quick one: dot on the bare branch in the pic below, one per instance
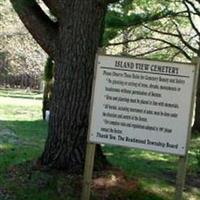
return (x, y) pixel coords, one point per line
(190, 18)
(160, 40)
(180, 36)
(39, 25)
(151, 51)
(175, 55)
(124, 42)
(193, 6)
(170, 44)
(160, 32)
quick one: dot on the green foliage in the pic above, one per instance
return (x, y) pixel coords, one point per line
(197, 155)
(143, 22)
(114, 20)
(117, 20)
(48, 70)
(129, 14)
(109, 34)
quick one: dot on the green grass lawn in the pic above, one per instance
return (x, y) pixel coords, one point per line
(21, 118)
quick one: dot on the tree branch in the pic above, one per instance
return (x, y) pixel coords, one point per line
(180, 36)
(125, 42)
(190, 18)
(43, 30)
(193, 6)
(160, 32)
(157, 39)
(53, 6)
(151, 51)
(115, 19)
(172, 45)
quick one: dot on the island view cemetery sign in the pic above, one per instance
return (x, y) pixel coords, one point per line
(142, 103)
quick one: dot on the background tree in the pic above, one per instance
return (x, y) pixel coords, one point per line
(48, 78)
(130, 14)
(21, 58)
(139, 41)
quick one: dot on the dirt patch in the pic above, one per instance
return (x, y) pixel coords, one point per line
(110, 184)
(113, 182)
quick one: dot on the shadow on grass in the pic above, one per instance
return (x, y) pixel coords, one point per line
(134, 160)
(21, 141)
(26, 128)
(149, 165)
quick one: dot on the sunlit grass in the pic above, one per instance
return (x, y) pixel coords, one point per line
(20, 109)
(4, 147)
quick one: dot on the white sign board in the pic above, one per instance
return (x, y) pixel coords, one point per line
(142, 103)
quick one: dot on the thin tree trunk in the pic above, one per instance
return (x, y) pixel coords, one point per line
(46, 99)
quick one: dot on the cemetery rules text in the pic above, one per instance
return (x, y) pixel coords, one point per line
(142, 103)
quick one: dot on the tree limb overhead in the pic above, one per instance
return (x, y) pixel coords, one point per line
(38, 23)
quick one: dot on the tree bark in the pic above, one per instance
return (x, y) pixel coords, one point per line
(196, 125)
(79, 35)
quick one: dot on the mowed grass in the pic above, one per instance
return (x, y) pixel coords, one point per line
(21, 114)
(22, 117)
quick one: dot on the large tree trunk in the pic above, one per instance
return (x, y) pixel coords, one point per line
(79, 34)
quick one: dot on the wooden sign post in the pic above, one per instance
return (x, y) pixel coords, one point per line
(182, 163)
(143, 104)
(88, 169)
(90, 148)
